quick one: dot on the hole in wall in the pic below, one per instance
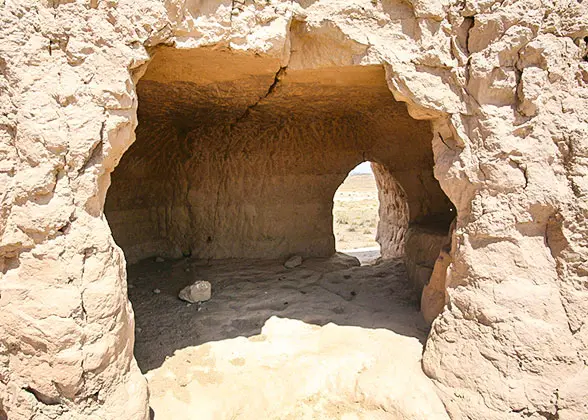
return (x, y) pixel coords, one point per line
(355, 215)
(233, 172)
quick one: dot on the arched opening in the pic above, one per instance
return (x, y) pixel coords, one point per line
(355, 215)
(233, 173)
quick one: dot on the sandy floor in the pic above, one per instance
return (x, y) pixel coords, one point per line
(245, 295)
(355, 213)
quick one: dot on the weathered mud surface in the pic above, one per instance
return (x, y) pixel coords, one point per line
(198, 368)
(237, 157)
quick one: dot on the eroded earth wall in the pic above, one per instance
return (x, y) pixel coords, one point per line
(238, 157)
(504, 84)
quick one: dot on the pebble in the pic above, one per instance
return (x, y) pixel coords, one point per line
(156, 291)
(294, 261)
(200, 291)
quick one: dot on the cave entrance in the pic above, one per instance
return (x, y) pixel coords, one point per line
(233, 172)
(355, 215)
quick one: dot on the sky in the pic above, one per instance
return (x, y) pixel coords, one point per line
(362, 168)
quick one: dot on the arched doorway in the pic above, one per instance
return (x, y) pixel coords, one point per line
(355, 215)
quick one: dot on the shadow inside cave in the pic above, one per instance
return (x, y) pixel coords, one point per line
(246, 293)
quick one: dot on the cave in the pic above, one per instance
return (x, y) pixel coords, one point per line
(250, 113)
(234, 169)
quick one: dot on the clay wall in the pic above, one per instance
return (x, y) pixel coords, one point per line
(235, 160)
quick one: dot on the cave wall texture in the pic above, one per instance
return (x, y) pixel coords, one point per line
(503, 87)
(235, 159)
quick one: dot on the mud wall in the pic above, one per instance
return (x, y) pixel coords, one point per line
(234, 159)
(504, 84)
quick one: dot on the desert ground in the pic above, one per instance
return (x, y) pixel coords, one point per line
(355, 217)
(305, 343)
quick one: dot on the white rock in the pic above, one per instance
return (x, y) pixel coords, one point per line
(156, 291)
(294, 261)
(159, 260)
(200, 291)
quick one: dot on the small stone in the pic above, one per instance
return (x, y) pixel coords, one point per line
(187, 270)
(131, 286)
(159, 260)
(139, 330)
(200, 291)
(156, 291)
(294, 261)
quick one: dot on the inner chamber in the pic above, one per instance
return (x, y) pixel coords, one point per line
(236, 157)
